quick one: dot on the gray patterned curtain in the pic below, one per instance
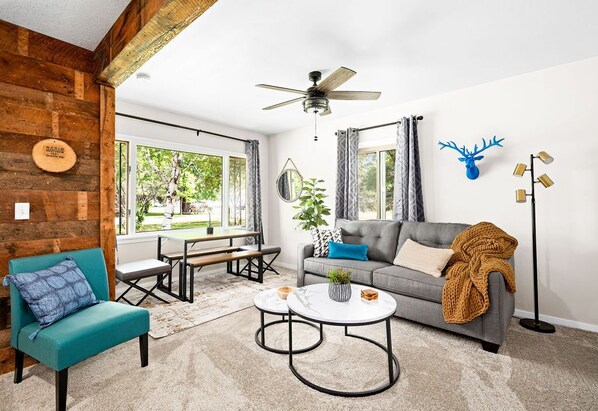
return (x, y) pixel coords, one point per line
(254, 189)
(408, 198)
(347, 201)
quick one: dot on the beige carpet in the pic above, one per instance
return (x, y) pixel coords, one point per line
(218, 366)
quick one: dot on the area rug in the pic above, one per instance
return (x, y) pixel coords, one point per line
(216, 295)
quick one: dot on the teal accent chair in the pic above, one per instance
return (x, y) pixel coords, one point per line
(80, 335)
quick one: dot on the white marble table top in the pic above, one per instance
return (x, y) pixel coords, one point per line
(269, 300)
(313, 302)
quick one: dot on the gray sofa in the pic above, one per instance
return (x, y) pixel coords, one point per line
(418, 295)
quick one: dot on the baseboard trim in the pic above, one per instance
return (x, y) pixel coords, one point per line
(286, 265)
(558, 321)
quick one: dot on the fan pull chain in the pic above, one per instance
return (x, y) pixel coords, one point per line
(316, 125)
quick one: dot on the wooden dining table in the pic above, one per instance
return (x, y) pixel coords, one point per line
(192, 237)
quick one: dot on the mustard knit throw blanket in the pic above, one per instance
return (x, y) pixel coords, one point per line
(479, 250)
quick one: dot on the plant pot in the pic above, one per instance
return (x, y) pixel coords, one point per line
(210, 230)
(339, 292)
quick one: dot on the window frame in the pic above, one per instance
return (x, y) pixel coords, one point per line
(132, 143)
(378, 149)
(126, 188)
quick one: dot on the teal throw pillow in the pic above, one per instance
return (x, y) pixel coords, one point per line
(348, 251)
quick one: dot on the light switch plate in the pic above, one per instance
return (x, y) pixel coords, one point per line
(21, 211)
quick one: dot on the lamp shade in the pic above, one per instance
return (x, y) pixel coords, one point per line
(520, 196)
(545, 157)
(545, 180)
(520, 170)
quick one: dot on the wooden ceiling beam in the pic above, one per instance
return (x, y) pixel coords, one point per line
(143, 28)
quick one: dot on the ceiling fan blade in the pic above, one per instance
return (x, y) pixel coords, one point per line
(335, 80)
(353, 95)
(326, 112)
(288, 90)
(284, 103)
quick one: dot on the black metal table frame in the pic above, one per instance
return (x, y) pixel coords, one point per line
(394, 369)
(182, 295)
(261, 332)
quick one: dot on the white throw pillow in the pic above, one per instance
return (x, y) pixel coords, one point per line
(320, 238)
(428, 260)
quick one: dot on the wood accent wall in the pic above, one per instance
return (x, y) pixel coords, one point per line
(47, 90)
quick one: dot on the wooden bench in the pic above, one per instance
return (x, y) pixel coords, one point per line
(203, 261)
(177, 256)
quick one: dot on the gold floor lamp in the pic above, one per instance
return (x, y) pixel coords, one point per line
(521, 197)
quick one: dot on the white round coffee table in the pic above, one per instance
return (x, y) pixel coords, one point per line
(312, 303)
(268, 302)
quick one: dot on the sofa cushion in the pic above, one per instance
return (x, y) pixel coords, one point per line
(84, 334)
(428, 260)
(401, 280)
(361, 271)
(379, 235)
(437, 235)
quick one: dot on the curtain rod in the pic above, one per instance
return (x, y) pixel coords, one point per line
(149, 120)
(386, 124)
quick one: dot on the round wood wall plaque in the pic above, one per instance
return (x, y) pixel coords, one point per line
(54, 156)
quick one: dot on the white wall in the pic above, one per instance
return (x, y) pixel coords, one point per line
(140, 246)
(554, 110)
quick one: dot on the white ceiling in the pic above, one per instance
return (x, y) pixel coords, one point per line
(408, 49)
(80, 22)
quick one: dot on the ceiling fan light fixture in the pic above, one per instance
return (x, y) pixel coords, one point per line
(315, 104)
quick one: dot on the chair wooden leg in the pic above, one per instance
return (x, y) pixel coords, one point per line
(19, 360)
(62, 377)
(143, 349)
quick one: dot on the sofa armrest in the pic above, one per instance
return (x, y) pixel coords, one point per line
(304, 251)
(495, 322)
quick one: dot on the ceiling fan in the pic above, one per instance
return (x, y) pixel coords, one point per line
(315, 98)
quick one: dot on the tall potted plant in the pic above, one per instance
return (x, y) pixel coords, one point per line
(311, 206)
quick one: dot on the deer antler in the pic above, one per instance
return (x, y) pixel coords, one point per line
(492, 142)
(453, 145)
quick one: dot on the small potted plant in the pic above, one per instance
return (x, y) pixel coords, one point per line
(339, 288)
(205, 208)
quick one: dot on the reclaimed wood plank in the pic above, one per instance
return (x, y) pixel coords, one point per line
(16, 118)
(26, 230)
(36, 74)
(48, 205)
(24, 163)
(36, 45)
(142, 29)
(107, 206)
(17, 249)
(23, 144)
(24, 181)
(13, 94)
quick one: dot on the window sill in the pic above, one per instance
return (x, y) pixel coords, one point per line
(153, 236)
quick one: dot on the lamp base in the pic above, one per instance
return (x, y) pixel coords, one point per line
(540, 326)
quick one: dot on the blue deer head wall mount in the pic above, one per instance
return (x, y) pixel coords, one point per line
(470, 157)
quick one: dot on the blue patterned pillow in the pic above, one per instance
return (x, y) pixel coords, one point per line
(55, 292)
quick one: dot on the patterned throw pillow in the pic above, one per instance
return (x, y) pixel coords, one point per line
(320, 238)
(54, 293)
